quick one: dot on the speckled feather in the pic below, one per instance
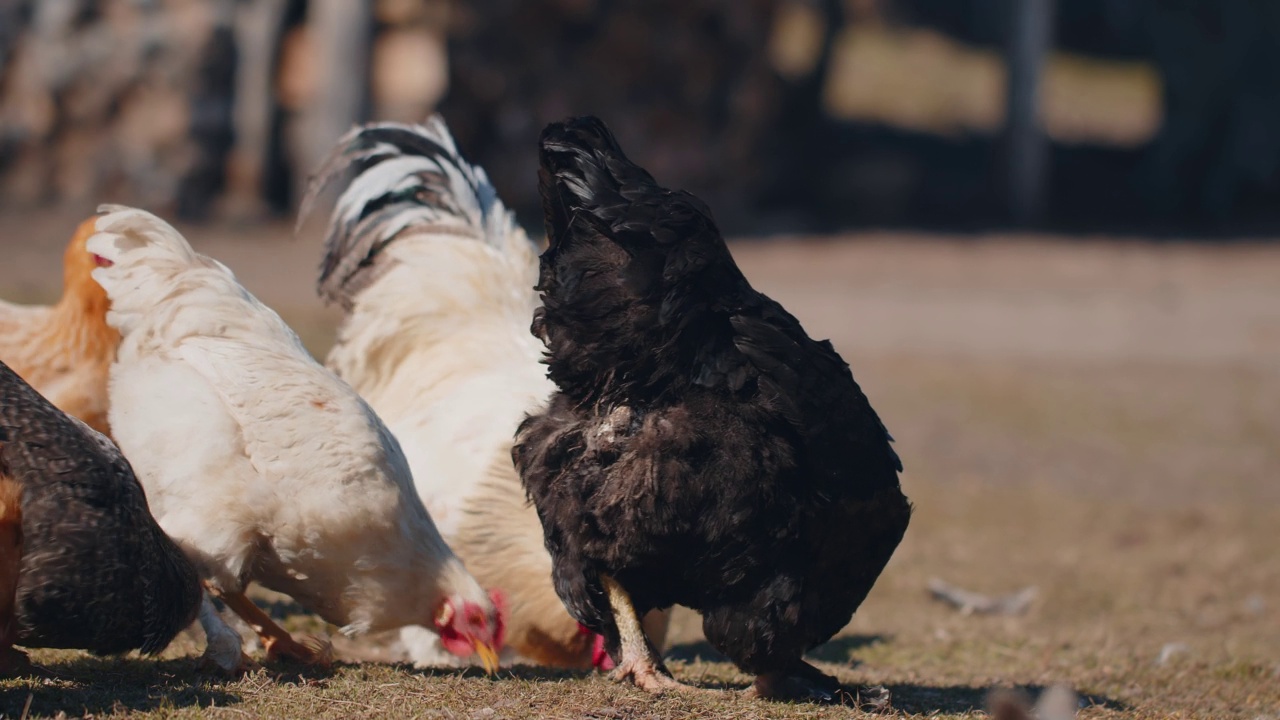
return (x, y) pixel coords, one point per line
(405, 176)
(98, 573)
(702, 449)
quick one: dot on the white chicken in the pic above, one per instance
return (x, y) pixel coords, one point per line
(262, 464)
(437, 281)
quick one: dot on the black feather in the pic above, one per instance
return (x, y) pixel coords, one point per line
(97, 573)
(702, 449)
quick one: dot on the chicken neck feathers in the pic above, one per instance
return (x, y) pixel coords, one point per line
(65, 350)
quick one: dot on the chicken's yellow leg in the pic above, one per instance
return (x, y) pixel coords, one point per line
(278, 642)
(639, 662)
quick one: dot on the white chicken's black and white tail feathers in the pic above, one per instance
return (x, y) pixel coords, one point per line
(402, 177)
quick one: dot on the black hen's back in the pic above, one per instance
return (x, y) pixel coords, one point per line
(702, 448)
(98, 573)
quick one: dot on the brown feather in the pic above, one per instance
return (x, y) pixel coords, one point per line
(65, 351)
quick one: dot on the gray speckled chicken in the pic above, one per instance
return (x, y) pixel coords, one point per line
(96, 571)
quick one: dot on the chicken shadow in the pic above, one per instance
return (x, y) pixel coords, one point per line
(95, 686)
(909, 698)
(837, 651)
(535, 673)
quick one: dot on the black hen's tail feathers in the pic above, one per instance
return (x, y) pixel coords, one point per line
(584, 174)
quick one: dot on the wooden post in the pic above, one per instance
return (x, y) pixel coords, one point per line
(1026, 147)
(342, 33)
(257, 27)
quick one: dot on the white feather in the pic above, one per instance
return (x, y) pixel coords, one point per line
(439, 343)
(262, 464)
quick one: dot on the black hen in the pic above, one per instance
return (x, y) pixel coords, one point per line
(97, 572)
(702, 450)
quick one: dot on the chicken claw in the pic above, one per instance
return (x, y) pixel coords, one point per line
(310, 651)
(640, 663)
(804, 683)
(222, 653)
(279, 644)
(14, 663)
(788, 688)
(210, 665)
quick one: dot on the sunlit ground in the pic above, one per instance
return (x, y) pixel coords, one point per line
(1099, 421)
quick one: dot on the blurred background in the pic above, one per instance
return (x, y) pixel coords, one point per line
(1134, 116)
(1017, 219)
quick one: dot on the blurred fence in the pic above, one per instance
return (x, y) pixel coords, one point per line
(223, 106)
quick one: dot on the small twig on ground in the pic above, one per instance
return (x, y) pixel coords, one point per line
(969, 602)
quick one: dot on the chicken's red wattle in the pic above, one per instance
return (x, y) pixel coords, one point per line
(599, 656)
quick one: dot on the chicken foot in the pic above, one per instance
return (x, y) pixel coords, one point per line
(223, 653)
(639, 662)
(277, 641)
(802, 682)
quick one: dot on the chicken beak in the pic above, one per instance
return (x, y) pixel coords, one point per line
(488, 657)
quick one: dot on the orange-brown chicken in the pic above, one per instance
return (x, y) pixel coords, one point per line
(65, 350)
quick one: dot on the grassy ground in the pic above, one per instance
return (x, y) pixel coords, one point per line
(1101, 422)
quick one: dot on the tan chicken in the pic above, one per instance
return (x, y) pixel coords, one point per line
(65, 350)
(437, 282)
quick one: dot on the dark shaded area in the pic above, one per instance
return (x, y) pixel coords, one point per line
(94, 686)
(700, 650)
(278, 183)
(875, 175)
(689, 88)
(837, 650)
(14, 15)
(211, 131)
(685, 81)
(1215, 164)
(686, 86)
